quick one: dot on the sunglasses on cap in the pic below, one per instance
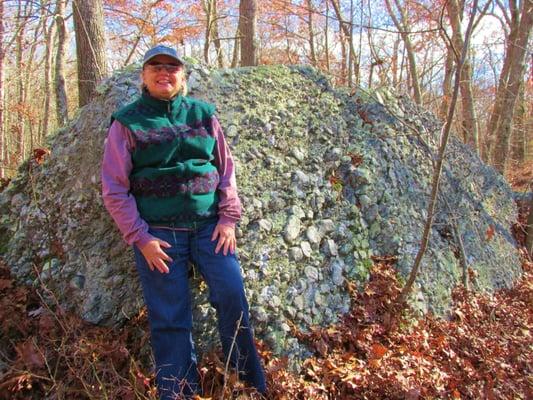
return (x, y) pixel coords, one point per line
(158, 67)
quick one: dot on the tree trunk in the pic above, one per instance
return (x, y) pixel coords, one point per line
(312, 51)
(29, 78)
(207, 5)
(237, 46)
(394, 63)
(2, 139)
(502, 81)
(344, 29)
(19, 49)
(49, 34)
(438, 165)
(326, 44)
(60, 85)
(469, 121)
(446, 83)
(529, 230)
(519, 132)
(509, 93)
(30, 58)
(248, 12)
(90, 47)
(403, 28)
(216, 37)
(351, 48)
(344, 57)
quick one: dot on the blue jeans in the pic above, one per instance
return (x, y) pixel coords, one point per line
(168, 301)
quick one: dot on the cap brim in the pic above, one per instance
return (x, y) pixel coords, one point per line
(163, 54)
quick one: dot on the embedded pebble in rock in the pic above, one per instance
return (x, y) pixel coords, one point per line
(297, 154)
(302, 235)
(306, 249)
(326, 226)
(292, 230)
(312, 235)
(261, 314)
(330, 248)
(311, 273)
(336, 273)
(365, 201)
(265, 224)
(296, 254)
(299, 302)
(274, 301)
(297, 211)
(231, 131)
(319, 299)
(194, 80)
(301, 178)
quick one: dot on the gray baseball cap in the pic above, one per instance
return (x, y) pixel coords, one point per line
(161, 50)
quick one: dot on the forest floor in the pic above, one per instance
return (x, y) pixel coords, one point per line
(379, 350)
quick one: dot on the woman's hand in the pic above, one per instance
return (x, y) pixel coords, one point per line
(226, 239)
(155, 256)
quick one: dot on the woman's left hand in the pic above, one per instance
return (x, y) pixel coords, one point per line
(226, 239)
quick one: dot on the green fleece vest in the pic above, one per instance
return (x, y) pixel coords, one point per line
(173, 179)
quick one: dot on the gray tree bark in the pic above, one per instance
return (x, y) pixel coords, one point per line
(237, 45)
(446, 84)
(60, 85)
(326, 44)
(90, 47)
(469, 121)
(211, 32)
(19, 50)
(207, 5)
(346, 32)
(248, 13)
(403, 28)
(503, 115)
(310, 27)
(49, 36)
(216, 37)
(513, 23)
(2, 138)
(529, 231)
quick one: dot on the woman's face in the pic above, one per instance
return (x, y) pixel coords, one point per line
(163, 83)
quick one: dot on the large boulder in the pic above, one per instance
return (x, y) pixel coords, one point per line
(327, 180)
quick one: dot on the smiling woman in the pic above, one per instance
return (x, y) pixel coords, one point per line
(168, 181)
(163, 77)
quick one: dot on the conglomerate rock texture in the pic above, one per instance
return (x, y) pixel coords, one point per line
(327, 180)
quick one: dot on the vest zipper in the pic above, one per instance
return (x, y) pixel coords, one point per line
(169, 112)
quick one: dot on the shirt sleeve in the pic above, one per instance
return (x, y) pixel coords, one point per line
(119, 202)
(229, 206)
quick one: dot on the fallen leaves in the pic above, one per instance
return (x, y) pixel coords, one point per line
(30, 354)
(473, 356)
(377, 351)
(40, 155)
(489, 234)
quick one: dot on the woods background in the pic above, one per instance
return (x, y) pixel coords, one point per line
(54, 53)
(470, 59)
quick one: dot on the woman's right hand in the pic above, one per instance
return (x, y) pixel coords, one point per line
(155, 256)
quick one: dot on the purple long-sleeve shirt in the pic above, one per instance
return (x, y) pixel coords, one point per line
(116, 168)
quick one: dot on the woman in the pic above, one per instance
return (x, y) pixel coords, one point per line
(168, 181)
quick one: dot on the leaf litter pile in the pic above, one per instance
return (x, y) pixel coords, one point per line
(379, 350)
